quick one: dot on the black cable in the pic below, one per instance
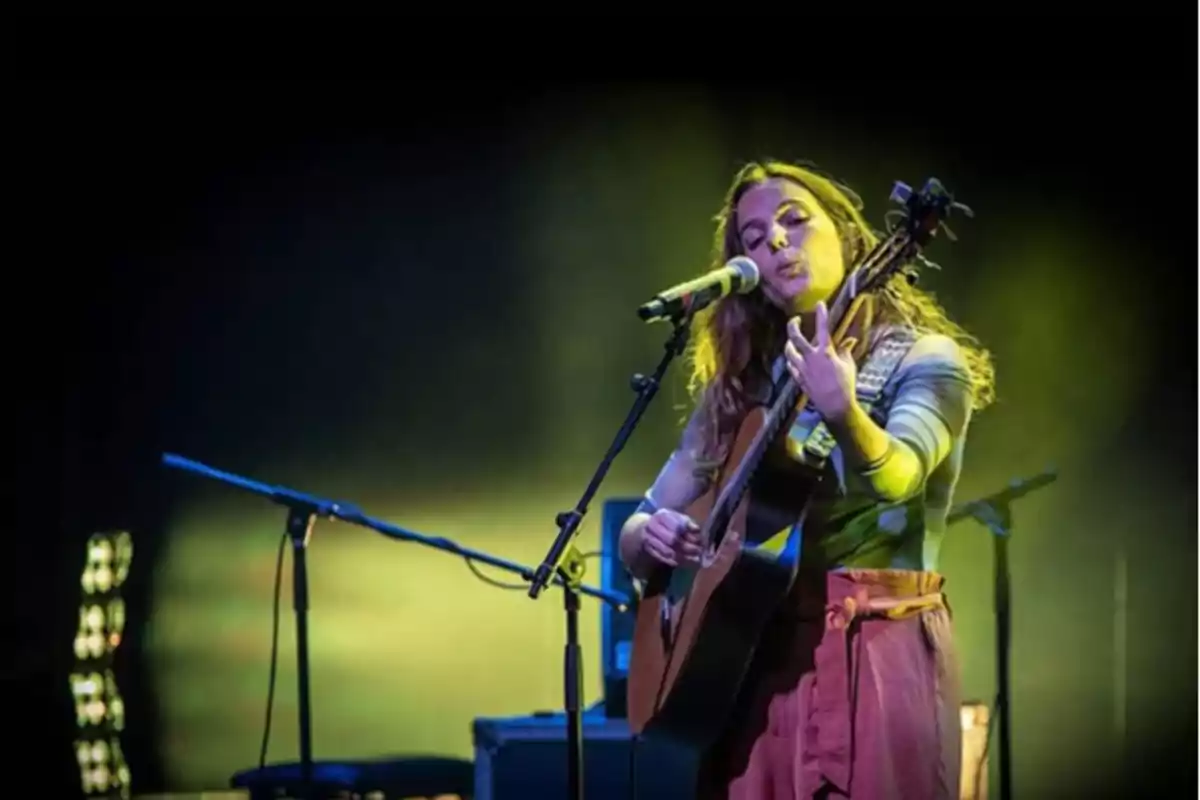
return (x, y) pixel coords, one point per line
(262, 753)
(501, 584)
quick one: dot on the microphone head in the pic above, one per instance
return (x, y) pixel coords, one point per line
(747, 270)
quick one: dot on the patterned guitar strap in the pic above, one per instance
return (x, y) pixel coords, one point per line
(813, 446)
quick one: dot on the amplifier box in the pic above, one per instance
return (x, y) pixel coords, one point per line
(526, 757)
(616, 627)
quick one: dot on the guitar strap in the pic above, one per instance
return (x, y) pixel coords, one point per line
(812, 447)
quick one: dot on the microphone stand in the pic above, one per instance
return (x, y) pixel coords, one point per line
(995, 513)
(302, 513)
(564, 559)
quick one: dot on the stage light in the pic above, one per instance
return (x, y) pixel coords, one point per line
(99, 709)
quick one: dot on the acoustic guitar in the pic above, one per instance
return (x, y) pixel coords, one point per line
(690, 655)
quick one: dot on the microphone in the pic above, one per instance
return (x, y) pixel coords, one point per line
(738, 275)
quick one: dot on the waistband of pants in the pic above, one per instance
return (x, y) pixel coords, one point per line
(845, 595)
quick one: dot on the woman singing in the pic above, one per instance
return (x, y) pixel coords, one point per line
(854, 690)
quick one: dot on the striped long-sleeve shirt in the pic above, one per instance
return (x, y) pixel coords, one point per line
(895, 516)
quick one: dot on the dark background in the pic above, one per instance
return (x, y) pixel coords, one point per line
(153, 307)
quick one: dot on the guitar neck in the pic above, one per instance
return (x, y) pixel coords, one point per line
(787, 397)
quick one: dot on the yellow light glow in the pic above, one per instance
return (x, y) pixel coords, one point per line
(101, 551)
(104, 579)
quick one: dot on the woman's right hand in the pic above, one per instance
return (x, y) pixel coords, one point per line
(672, 538)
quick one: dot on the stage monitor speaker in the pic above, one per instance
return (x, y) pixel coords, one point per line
(525, 757)
(616, 627)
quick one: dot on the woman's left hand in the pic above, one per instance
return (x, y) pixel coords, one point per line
(826, 375)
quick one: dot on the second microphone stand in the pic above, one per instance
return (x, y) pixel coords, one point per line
(565, 560)
(995, 513)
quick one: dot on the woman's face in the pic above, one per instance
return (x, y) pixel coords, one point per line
(795, 243)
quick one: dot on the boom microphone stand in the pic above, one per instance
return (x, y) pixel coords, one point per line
(565, 561)
(302, 513)
(995, 512)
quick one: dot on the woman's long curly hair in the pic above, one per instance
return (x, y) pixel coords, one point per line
(738, 338)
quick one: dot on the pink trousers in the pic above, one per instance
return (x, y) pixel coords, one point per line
(854, 694)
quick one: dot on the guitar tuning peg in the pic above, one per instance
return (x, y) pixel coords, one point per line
(901, 192)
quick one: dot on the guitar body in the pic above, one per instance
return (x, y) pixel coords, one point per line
(690, 655)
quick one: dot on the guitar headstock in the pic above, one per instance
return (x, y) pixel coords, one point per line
(910, 229)
(925, 212)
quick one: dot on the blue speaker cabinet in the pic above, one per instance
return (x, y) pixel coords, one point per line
(616, 627)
